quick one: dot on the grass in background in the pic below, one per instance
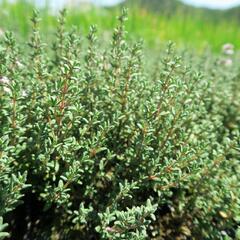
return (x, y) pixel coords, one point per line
(188, 30)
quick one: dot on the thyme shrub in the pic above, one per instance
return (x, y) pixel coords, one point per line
(95, 145)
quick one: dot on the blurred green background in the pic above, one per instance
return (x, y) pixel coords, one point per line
(156, 21)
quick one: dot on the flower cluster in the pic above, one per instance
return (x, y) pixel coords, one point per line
(228, 51)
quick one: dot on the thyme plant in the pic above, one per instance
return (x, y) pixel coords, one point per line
(97, 144)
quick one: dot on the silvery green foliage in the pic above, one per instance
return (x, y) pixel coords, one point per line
(112, 149)
(2, 228)
(127, 224)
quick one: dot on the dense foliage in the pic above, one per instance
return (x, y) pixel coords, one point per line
(103, 143)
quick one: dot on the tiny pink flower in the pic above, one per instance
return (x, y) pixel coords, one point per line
(228, 49)
(109, 229)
